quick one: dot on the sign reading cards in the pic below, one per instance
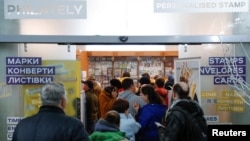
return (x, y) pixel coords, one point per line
(226, 70)
(28, 70)
(201, 6)
(45, 9)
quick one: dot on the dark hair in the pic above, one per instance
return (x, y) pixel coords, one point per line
(115, 82)
(127, 83)
(169, 83)
(109, 89)
(89, 83)
(146, 75)
(113, 117)
(126, 74)
(153, 97)
(120, 105)
(182, 90)
(144, 80)
(156, 77)
(160, 82)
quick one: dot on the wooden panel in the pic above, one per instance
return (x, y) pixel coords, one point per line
(134, 53)
(171, 53)
(100, 53)
(83, 57)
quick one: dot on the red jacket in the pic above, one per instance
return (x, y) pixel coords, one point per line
(163, 93)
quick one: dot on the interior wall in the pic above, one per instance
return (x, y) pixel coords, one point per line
(123, 17)
(48, 51)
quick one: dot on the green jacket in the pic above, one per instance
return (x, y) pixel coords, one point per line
(107, 136)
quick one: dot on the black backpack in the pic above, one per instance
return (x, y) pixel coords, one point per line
(195, 123)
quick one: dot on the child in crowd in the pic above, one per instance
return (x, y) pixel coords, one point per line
(128, 123)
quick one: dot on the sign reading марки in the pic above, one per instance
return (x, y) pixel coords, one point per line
(27, 70)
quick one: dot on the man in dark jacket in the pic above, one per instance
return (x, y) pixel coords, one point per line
(51, 123)
(184, 116)
(92, 105)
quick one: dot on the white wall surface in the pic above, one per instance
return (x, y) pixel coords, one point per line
(130, 17)
(48, 51)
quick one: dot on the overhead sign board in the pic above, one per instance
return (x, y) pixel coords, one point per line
(45, 9)
(200, 6)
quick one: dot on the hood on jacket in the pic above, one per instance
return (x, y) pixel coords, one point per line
(104, 126)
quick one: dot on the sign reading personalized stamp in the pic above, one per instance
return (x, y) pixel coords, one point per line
(201, 6)
(45, 9)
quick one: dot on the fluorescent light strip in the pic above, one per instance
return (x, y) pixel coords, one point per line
(126, 48)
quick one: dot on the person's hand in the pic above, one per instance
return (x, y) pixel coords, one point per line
(136, 106)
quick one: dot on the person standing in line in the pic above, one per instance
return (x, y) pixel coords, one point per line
(96, 85)
(51, 123)
(150, 113)
(170, 81)
(106, 99)
(176, 124)
(128, 123)
(146, 74)
(107, 128)
(124, 76)
(130, 96)
(92, 105)
(143, 80)
(156, 76)
(169, 86)
(117, 83)
(159, 88)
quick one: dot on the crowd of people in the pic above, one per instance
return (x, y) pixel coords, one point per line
(122, 111)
